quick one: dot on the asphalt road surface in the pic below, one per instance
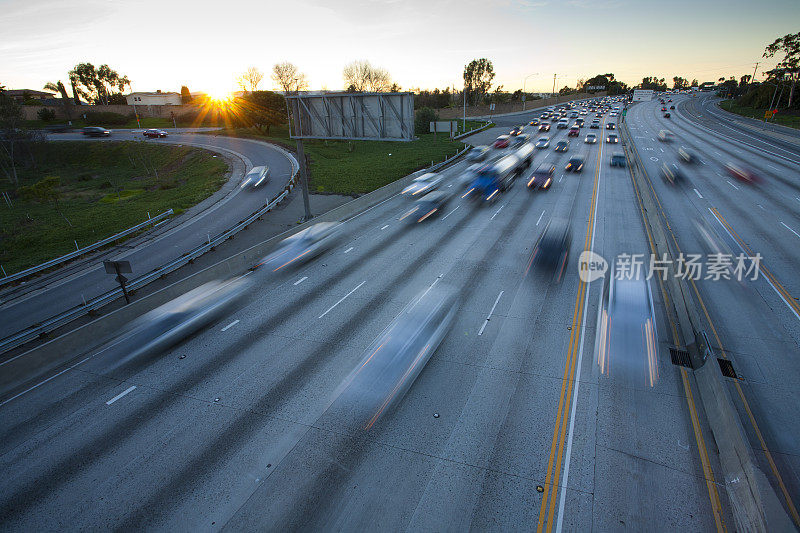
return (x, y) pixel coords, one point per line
(510, 425)
(42, 298)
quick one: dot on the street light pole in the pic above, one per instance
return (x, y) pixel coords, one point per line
(523, 88)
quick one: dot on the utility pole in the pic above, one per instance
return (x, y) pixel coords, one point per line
(554, 87)
(523, 88)
(301, 156)
(464, 120)
(753, 79)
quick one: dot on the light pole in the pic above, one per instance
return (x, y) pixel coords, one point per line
(523, 87)
(554, 84)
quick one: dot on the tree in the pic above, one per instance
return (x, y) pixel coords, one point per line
(186, 96)
(423, 118)
(789, 45)
(10, 124)
(478, 76)
(654, 83)
(97, 84)
(59, 88)
(46, 114)
(263, 109)
(288, 77)
(695, 83)
(250, 79)
(679, 83)
(612, 86)
(362, 76)
(45, 192)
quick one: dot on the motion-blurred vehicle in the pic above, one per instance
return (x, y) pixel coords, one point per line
(610, 126)
(626, 346)
(618, 160)
(685, 155)
(663, 108)
(575, 164)
(302, 246)
(562, 124)
(175, 320)
(427, 207)
(154, 133)
(501, 141)
(478, 153)
(542, 177)
(579, 122)
(515, 130)
(95, 131)
(741, 173)
(590, 138)
(672, 174)
(519, 140)
(612, 139)
(542, 142)
(551, 253)
(544, 115)
(544, 126)
(562, 146)
(255, 177)
(395, 358)
(666, 115)
(524, 156)
(423, 184)
(494, 178)
(665, 136)
(595, 125)
(574, 131)
(672, 106)
(534, 122)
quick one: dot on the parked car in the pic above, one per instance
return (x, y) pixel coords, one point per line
(154, 133)
(96, 131)
(256, 176)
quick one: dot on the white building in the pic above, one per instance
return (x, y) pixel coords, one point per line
(156, 98)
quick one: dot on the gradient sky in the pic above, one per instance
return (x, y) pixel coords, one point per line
(422, 43)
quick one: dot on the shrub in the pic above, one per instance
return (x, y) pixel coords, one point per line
(105, 118)
(423, 118)
(46, 115)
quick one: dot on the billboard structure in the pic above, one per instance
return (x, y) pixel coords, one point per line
(348, 117)
(642, 95)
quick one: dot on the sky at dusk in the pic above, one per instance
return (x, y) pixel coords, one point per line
(422, 43)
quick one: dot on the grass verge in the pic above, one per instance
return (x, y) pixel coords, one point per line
(784, 118)
(88, 191)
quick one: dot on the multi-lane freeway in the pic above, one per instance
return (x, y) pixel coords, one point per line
(511, 424)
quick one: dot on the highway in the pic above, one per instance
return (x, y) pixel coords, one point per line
(511, 425)
(41, 298)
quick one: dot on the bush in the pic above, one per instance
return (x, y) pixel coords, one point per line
(105, 118)
(423, 118)
(46, 115)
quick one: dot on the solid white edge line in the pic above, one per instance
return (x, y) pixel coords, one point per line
(698, 193)
(568, 453)
(121, 394)
(301, 280)
(496, 212)
(451, 212)
(732, 185)
(229, 326)
(790, 229)
(485, 322)
(48, 379)
(540, 217)
(342, 299)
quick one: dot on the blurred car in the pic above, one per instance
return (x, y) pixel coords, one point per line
(551, 253)
(590, 138)
(478, 153)
(519, 140)
(542, 176)
(575, 164)
(685, 155)
(666, 115)
(542, 142)
(672, 174)
(579, 122)
(428, 206)
(154, 133)
(95, 131)
(574, 131)
(612, 139)
(496, 177)
(534, 122)
(395, 358)
(562, 146)
(423, 184)
(626, 346)
(256, 176)
(595, 125)
(501, 141)
(665, 136)
(742, 174)
(672, 106)
(177, 319)
(663, 108)
(618, 160)
(610, 126)
(302, 246)
(544, 126)
(562, 124)
(515, 131)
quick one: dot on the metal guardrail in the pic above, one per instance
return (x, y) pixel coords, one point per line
(72, 255)
(473, 130)
(52, 323)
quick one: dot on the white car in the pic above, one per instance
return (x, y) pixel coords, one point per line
(256, 176)
(590, 139)
(423, 184)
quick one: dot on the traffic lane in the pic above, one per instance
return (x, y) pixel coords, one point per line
(767, 229)
(195, 380)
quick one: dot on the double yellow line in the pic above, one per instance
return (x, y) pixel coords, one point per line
(550, 494)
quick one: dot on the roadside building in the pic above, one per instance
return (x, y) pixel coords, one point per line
(153, 98)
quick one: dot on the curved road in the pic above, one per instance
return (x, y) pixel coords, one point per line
(511, 425)
(42, 298)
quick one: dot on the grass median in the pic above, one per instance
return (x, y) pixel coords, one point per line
(79, 192)
(354, 168)
(783, 117)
